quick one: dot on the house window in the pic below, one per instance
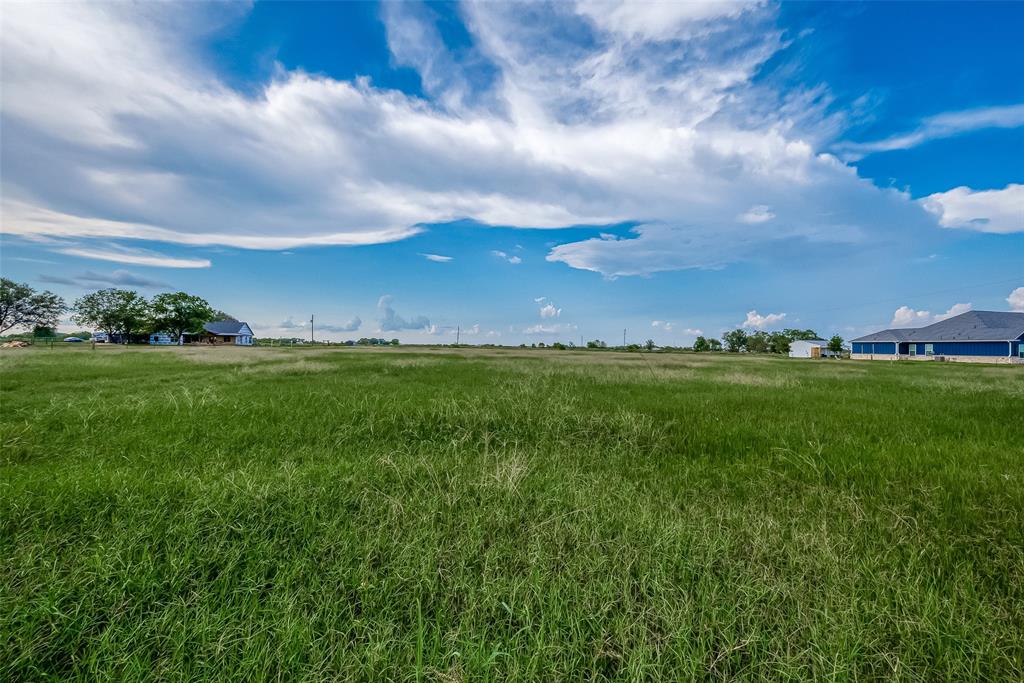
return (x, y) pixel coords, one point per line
(913, 349)
(929, 349)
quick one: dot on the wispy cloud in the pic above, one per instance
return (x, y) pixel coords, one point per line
(117, 278)
(937, 127)
(136, 257)
(437, 258)
(526, 127)
(514, 260)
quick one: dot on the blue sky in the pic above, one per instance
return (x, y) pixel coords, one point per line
(525, 172)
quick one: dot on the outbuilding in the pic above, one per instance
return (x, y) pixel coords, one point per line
(811, 348)
(971, 337)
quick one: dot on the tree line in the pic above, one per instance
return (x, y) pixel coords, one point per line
(739, 340)
(117, 312)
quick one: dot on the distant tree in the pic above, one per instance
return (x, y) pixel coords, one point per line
(757, 342)
(177, 313)
(43, 331)
(394, 342)
(596, 344)
(796, 334)
(715, 344)
(22, 306)
(649, 344)
(558, 346)
(701, 344)
(778, 342)
(115, 311)
(541, 345)
(835, 344)
(221, 316)
(735, 341)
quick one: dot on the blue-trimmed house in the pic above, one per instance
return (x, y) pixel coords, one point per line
(972, 337)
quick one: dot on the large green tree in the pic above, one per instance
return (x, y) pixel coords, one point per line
(795, 334)
(115, 311)
(758, 342)
(22, 306)
(735, 341)
(177, 313)
(778, 342)
(700, 344)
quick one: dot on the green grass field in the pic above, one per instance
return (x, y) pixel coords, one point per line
(468, 515)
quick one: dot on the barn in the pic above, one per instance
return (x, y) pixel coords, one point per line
(972, 337)
(227, 332)
(810, 348)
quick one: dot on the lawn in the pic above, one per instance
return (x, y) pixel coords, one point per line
(347, 514)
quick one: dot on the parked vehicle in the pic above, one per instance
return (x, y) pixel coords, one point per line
(100, 337)
(74, 339)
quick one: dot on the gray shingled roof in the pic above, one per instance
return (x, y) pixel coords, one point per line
(969, 326)
(224, 327)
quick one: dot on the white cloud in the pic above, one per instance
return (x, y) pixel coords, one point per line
(756, 214)
(549, 311)
(514, 260)
(999, 211)
(136, 257)
(1016, 299)
(657, 116)
(348, 326)
(943, 125)
(757, 321)
(908, 317)
(662, 325)
(390, 321)
(437, 258)
(548, 329)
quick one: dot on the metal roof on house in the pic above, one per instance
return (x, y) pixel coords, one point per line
(969, 326)
(812, 342)
(225, 328)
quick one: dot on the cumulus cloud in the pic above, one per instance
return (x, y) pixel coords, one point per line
(906, 316)
(662, 325)
(390, 321)
(514, 260)
(756, 321)
(548, 310)
(1000, 211)
(348, 326)
(578, 114)
(1016, 299)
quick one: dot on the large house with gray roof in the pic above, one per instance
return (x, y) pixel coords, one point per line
(972, 337)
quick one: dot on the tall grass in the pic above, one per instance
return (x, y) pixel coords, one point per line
(381, 515)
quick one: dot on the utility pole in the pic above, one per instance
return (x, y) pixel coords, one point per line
(311, 329)
(458, 334)
(623, 337)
